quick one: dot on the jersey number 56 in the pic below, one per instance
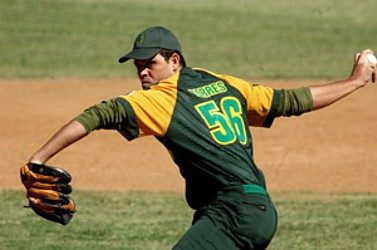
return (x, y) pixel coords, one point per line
(225, 123)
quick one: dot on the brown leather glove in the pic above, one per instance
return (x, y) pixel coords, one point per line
(48, 192)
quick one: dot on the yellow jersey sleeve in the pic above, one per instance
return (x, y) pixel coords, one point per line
(151, 110)
(262, 102)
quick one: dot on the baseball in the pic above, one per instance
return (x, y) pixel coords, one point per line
(371, 58)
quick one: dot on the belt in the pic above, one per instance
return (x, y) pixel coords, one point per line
(246, 189)
(253, 188)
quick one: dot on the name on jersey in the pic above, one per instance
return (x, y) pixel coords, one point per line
(209, 90)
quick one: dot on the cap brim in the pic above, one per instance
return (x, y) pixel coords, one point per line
(140, 54)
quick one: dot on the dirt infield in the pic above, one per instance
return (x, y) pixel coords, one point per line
(331, 150)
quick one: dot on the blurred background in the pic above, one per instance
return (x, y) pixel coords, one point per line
(257, 39)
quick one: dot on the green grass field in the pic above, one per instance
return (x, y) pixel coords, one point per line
(141, 220)
(249, 38)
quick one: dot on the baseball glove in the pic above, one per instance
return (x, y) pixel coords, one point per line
(48, 192)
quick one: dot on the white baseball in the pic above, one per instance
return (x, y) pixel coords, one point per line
(371, 58)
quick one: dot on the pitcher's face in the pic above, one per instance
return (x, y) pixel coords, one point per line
(151, 71)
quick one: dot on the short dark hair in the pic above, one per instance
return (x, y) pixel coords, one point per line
(167, 53)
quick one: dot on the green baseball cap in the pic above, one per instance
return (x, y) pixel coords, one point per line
(150, 42)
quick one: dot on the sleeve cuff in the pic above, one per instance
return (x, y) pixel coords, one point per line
(274, 109)
(85, 122)
(132, 130)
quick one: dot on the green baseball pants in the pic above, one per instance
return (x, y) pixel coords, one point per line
(242, 217)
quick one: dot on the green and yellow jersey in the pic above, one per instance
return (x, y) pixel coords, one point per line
(202, 118)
